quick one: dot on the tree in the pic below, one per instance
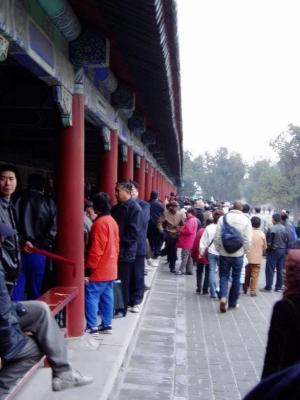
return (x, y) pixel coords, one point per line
(287, 146)
(189, 177)
(221, 175)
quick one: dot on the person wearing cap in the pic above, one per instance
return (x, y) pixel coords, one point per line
(169, 224)
(20, 351)
(154, 235)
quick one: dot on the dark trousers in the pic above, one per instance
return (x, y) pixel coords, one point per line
(136, 290)
(275, 259)
(125, 275)
(200, 268)
(171, 249)
(155, 239)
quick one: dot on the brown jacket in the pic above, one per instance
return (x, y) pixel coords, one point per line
(258, 246)
(171, 222)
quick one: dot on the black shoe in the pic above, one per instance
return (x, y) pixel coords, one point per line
(204, 291)
(188, 273)
(265, 290)
(146, 288)
(172, 269)
(105, 329)
(198, 290)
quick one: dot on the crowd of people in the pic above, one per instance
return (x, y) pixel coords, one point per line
(225, 242)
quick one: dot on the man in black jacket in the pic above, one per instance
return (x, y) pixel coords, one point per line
(154, 235)
(19, 351)
(10, 247)
(36, 222)
(128, 215)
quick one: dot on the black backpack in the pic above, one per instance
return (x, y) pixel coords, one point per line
(231, 237)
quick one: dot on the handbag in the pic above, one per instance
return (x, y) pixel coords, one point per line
(205, 254)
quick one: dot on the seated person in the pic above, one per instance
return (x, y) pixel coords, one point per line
(20, 351)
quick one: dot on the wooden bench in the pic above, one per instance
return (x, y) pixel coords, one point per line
(57, 299)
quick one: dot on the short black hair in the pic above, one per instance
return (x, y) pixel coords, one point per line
(9, 167)
(125, 184)
(284, 216)
(255, 221)
(276, 217)
(246, 208)
(191, 210)
(257, 209)
(135, 184)
(101, 202)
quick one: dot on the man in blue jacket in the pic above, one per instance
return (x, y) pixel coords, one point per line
(128, 215)
(19, 351)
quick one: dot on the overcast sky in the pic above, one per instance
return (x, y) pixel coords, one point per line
(240, 73)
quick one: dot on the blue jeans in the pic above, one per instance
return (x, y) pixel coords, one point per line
(31, 275)
(275, 259)
(213, 261)
(99, 297)
(226, 265)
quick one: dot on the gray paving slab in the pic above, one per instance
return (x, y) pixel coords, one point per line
(185, 342)
(103, 359)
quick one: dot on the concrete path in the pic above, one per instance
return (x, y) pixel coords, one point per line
(187, 350)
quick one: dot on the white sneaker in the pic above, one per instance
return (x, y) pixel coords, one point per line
(136, 308)
(154, 262)
(70, 380)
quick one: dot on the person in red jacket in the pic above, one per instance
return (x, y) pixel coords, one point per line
(101, 267)
(187, 235)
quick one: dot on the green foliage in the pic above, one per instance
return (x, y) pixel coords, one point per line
(225, 176)
(219, 176)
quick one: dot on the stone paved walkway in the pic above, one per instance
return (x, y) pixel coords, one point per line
(187, 350)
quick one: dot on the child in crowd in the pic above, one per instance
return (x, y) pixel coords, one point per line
(254, 255)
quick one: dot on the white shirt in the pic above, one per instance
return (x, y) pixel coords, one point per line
(207, 238)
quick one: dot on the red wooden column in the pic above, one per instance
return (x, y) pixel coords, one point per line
(139, 176)
(126, 167)
(148, 181)
(164, 185)
(158, 184)
(109, 167)
(154, 180)
(70, 212)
